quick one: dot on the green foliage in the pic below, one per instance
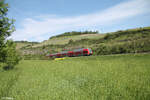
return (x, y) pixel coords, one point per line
(130, 33)
(70, 41)
(26, 42)
(6, 24)
(75, 33)
(8, 53)
(34, 57)
(127, 47)
(11, 57)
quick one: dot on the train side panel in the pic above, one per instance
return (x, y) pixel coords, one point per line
(76, 52)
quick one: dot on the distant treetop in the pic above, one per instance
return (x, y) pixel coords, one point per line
(75, 33)
(25, 42)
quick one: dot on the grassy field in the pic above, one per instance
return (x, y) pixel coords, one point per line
(116, 77)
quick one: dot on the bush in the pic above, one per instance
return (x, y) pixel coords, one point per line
(10, 57)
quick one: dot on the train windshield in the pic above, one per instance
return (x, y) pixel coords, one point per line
(90, 50)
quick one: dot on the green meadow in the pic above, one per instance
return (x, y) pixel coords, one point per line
(113, 77)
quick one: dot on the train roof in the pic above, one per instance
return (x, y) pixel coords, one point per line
(75, 50)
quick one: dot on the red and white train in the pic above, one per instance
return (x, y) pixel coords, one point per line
(73, 53)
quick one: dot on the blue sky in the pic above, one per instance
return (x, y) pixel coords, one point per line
(37, 20)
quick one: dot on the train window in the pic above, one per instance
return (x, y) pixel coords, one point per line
(85, 51)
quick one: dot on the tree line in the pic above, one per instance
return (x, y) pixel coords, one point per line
(75, 33)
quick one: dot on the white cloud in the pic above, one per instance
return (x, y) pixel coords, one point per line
(36, 28)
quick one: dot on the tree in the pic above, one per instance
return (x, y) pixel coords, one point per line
(70, 41)
(8, 52)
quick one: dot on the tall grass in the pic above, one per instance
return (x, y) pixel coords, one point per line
(7, 80)
(120, 77)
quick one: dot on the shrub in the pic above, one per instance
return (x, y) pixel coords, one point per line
(10, 57)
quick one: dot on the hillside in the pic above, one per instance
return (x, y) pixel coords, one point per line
(123, 41)
(65, 39)
(23, 44)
